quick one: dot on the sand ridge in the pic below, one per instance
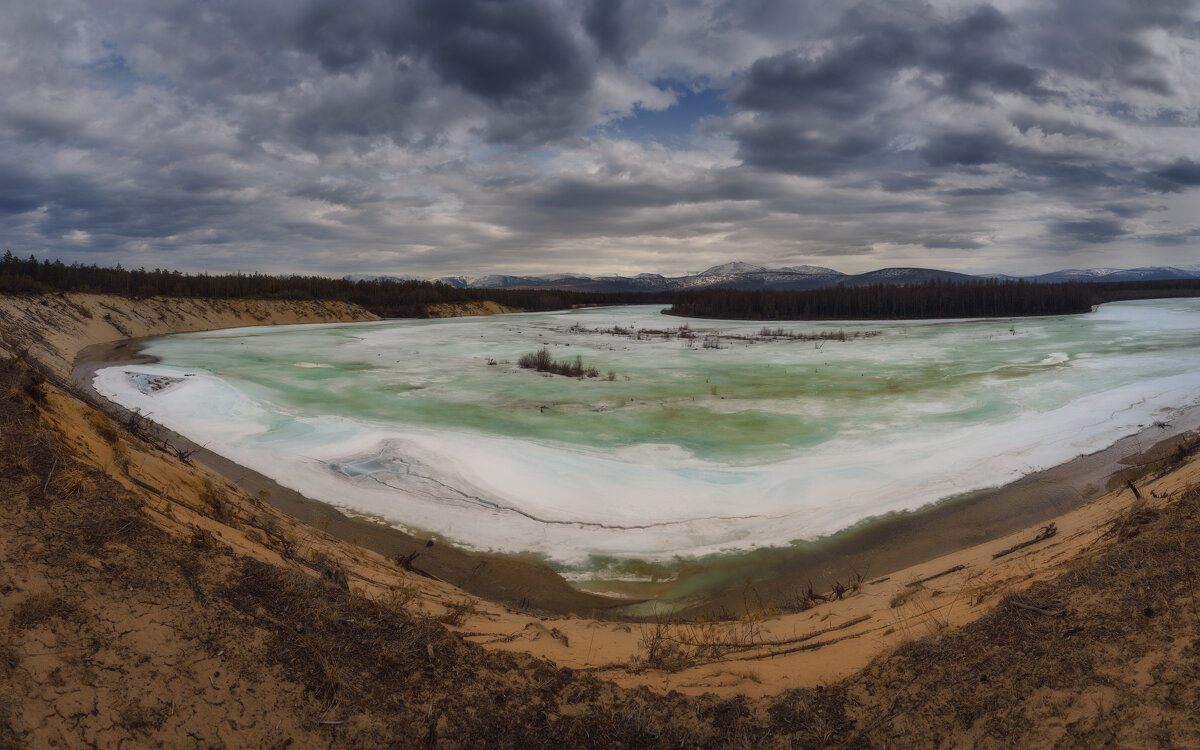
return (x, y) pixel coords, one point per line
(827, 641)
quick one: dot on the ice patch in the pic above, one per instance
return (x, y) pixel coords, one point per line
(898, 422)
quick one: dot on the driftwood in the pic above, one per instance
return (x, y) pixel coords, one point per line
(1043, 535)
(795, 649)
(945, 572)
(809, 636)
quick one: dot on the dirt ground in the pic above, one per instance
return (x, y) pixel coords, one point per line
(147, 602)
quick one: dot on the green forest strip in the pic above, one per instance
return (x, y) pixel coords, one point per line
(388, 299)
(930, 299)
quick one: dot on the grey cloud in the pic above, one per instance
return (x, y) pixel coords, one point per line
(786, 145)
(1183, 172)
(622, 27)
(1174, 239)
(901, 182)
(19, 191)
(1087, 230)
(964, 149)
(1129, 210)
(499, 50)
(847, 80)
(1099, 39)
(461, 133)
(950, 242)
(981, 192)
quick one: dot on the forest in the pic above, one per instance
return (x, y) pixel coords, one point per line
(988, 298)
(388, 299)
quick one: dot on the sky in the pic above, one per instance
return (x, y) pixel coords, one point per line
(467, 137)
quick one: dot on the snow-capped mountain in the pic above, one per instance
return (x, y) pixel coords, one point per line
(1150, 273)
(741, 275)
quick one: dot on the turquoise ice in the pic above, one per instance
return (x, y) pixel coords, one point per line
(686, 450)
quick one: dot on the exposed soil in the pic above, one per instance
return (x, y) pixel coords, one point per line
(145, 601)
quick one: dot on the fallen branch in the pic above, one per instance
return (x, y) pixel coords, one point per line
(945, 572)
(1044, 534)
(53, 466)
(735, 646)
(143, 485)
(795, 649)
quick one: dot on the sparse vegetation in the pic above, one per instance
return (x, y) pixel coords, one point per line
(717, 339)
(542, 361)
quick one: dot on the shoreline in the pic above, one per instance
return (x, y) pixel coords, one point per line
(715, 585)
(502, 579)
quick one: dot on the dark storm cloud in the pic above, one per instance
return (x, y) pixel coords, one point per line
(859, 100)
(1105, 39)
(1183, 172)
(621, 27)
(848, 80)
(517, 56)
(500, 50)
(853, 75)
(19, 190)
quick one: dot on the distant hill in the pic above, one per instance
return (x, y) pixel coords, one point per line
(748, 276)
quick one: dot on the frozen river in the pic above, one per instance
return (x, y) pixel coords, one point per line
(717, 441)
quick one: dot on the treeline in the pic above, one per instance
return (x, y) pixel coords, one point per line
(931, 299)
(389, 299)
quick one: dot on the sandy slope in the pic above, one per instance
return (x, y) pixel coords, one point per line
(759, 654)
(53, 328)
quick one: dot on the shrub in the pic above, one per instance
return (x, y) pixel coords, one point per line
(543, 362)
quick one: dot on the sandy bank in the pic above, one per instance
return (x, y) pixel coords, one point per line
(53, 328)
(822, 641)
(458, 309)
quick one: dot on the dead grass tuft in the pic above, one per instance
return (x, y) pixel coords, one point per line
(38, 609)
(215, 500)
(456, 612)
(672, 645)
(139, 715)
(103, 427)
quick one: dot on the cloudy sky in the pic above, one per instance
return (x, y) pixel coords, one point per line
(529, 136)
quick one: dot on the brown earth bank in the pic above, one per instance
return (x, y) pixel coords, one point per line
(458, 309)
(145, 600)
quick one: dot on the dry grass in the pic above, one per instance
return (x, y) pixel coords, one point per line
(674, 645)
(38, 609)
(103, 427)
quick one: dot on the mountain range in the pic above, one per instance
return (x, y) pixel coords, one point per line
(740, 275)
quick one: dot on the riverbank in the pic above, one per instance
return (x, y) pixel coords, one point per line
(838, 637)
(136, 617)
(504, 580)
(714, 586)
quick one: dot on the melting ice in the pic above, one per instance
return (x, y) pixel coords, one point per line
(707, 443)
